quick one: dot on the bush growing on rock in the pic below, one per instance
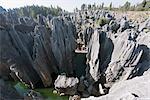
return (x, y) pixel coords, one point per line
(102, 21)
(33, 11)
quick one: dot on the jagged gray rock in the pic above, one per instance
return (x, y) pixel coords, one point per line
(143, 41)
(63, 43)
(34, 54)
(125, 56)
(87, 34)
(145, 25)
(98, 53)
(41, 19)
(75, 97)
(92, 56)
(42, 55)
(66, 85)
(2, 10)
(121, 54)
(136, 88)
(124, 24)
(114, 26)
(16, 53)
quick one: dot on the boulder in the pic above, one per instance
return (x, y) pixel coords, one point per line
(66, 85)
(75, 97)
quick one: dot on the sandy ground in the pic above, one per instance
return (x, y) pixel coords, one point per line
(133, 15)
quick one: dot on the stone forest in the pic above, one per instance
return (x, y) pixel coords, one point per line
(92, 53)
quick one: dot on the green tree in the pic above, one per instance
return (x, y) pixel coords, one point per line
(127, 6)
(132, 8)
(33, 11)
(144, 3)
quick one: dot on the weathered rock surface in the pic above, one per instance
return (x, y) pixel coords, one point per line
(34, 54)
(93, 54)
(145, 25)
(75, 97)
(63, 43)
(136, 88)
(125, 57)
(114, 26)
(124, 24)
(99, 52)
(118, 51)
(15, 57)
(2, 10)
(66, 85)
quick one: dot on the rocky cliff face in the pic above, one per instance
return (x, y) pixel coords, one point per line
(136, 88)
(35, 51)
(117, 52)
(63, 43)
(2, 10)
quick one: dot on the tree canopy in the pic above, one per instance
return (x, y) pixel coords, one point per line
(144, 6)
(33, 11)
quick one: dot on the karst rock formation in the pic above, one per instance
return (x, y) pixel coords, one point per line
(41, 53)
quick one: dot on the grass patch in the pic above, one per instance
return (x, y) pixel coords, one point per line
(47, 93)
(102, 21)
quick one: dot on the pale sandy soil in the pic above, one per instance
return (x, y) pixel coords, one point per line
(133, 15)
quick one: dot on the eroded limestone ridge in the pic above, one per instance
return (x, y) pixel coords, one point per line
(118, 50)
(34, 50)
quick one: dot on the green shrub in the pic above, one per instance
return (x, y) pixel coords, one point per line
(102, 21)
